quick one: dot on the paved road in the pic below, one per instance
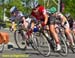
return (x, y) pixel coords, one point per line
(29, 53)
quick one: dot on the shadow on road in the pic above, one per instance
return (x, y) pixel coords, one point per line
(33, 52)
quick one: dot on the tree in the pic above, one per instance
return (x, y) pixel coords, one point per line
(69, 7)
(1, 13)
(68, 4)
(16, 3)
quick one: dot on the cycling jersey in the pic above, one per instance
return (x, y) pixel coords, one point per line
(40, 14)
(61, 16)
(18, 16)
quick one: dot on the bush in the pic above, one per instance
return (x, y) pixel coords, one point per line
(2, 24)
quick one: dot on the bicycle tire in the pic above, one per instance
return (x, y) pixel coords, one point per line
(64, 49)
(41, 37)
(34, 41)
(1, 47)
(73, 49)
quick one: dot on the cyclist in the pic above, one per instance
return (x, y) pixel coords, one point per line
(64, 23)
(74, 27)
(70, 20)
(13, 25)
(40, 13)
(17, 15)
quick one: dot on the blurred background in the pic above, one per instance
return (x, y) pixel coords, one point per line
(64, 6)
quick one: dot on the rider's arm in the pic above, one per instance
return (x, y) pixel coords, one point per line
(63, 19)
(25, 23)
(46, 17)
(24, 20)
(22, 17)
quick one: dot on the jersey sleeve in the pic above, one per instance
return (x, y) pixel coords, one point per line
(42, 9)
(21, 14)
(12, 18)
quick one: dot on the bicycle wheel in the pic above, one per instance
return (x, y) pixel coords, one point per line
(43, 45)
(19, 36)
(34, 42)
(1, 47)
(64, 48)
(71, 47)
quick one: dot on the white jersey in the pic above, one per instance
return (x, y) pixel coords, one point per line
(18, 16)
(61, 16)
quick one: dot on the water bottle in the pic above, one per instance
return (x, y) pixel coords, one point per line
(35, 29)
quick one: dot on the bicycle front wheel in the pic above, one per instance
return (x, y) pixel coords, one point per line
(43, 45)
(64, 48)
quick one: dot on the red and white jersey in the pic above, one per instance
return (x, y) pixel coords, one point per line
(40, 14)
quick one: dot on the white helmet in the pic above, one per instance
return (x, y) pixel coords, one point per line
(35, 4)
(13, 9)
(67, 15)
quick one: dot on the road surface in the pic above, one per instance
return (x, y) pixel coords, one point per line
(29, 53)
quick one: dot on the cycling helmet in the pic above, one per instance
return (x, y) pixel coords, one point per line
(13, 9)
(35, 4)
(67, 15)
(52, 10)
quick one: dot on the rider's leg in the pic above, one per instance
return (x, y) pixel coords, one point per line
(68, 33)
(51, 23)
(55, 35)
(32, 25)
(30, 30)
(25, 23)
(73, 30)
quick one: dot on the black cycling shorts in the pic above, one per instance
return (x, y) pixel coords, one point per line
(51, 20)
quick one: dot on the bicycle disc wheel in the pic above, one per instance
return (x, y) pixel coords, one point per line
(20, 39)
(43, 45)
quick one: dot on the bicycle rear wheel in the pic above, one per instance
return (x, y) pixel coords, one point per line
(43, 45)
(19, 36)
(1, 47)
